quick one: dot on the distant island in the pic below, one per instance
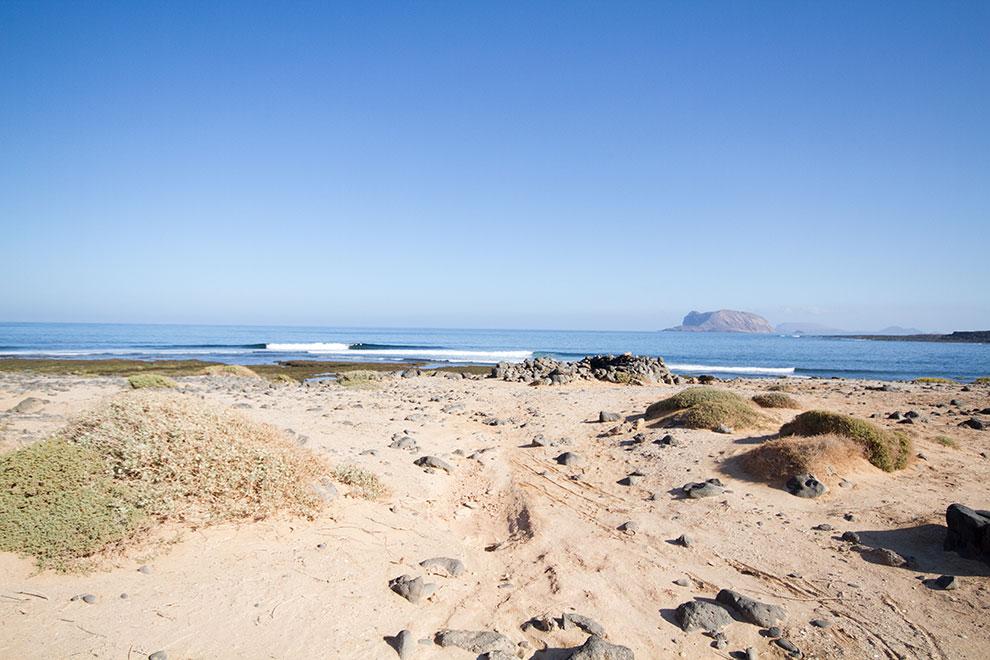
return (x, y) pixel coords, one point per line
(957, 337)
(817, 329)
(724, 320)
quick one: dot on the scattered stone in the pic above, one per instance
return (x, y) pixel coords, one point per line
(821, 623)
(850, 537)
(629, 527)
(627, 368)
(410, 588)
(476, 641)
(884, 557)
(596, 648)
(764, 615)
(444, 566)
(570, 458)
(701, 489)
(29, 405)
(788, 646)
(604, 416)
(824, 527)
(403, 442)
(702, 615)
(973, 423)
(684, 540)
(434, 463)
(147, 570)
(946, 582)
(682, 582)
(587, 624)
(774, 632)
(751, 653)
(634, 479)
(805, 485)
(404, 644)
(158, 655)
(723, 428)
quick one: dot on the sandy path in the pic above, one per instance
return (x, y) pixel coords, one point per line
(536, 537)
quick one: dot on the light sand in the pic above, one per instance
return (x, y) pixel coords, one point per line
(536, 537)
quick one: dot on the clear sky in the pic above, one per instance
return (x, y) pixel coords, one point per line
(552, 164)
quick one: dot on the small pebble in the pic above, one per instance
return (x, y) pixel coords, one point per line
(774, 631)
(158, 655)
(682, 582)
(821, 623)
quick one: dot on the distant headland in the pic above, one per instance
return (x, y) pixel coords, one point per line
(724, 320)
(957, 337)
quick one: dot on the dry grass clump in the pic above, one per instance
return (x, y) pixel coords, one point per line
(230, 370)
(283, 379)
(888, 450)
(775, 400)
(153, 381)
(982, 380)
(706, 408)
(362, 482)
(821, 455)
(143, 459)
(933, 379)
(359, 378)
(946, 441)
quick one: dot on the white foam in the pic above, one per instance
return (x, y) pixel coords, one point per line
(446, 355)
(779, 371)
(308, 348)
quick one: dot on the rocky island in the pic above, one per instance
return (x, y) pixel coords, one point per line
(724, 320)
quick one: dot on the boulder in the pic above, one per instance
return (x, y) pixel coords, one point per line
(476, 641)
(701, 489)
(444, 566)
(968, 532)
(587, 624)
(596, 648)
(805, 485)
(627, 368)
(752, 611)
(702, 615)
(434, 463)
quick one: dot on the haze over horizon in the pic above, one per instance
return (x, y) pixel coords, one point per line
(560, 165)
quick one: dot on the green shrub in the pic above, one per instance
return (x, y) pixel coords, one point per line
(933, 379)
(230, 370)
(144, 458)
(706, 408)
(775, 400)
(888, 450)
(946, 441)
(364, 484)
(154, 381)
(982, 380)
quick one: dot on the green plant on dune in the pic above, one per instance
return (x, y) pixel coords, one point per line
(946, 441)
(229, 370)
(365, 484)
(706, 408)
(153, 381)
(888, 450)
(144, 458)
(775, 400)
(933, 379)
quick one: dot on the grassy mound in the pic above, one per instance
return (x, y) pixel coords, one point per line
(885, 449)
(154, 381)
(359, 378)
(933, 379)
(706, 408)
(143, 459)
(775, 400)
(362, 483)
(821, 455)
(230, 370)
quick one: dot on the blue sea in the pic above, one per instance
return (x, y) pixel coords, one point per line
(724, 355)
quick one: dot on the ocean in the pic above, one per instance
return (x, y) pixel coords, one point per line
(720, 354)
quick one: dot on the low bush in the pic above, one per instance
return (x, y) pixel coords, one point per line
(821, 455)
(706, 408)
(933, 379)
(888, 450)
(363, 483)
(775, 400)
(230, 370)
(153, 381)
(143, 459)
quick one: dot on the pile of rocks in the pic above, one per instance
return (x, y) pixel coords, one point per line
(626, 368)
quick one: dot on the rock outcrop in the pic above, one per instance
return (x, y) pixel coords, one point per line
(724, 320)
(968, 532)
(626, 368)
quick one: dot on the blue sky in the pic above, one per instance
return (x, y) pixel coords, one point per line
(558, 165)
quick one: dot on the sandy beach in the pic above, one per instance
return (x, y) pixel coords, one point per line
(536, 538)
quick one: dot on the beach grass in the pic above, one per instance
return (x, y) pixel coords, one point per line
(775, 400)
(934, 379)
(982, 380)
(946, 441)
(362, 483)
(146, 458)
(779, 459)
(153, 381)
(230, 370)
(706, 408)
(888, 450)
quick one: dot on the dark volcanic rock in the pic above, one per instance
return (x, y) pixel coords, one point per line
(968, 533)
(702, 615)
(701, 489)
(596, 648)
(885, 557)
(752, 611)
(625, 368)
(805, 485)
(476, 641)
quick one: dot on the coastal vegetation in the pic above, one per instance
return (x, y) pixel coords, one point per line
(706, 408)
(775, 400)
(946, 441)
(230, 370)
(887, 450)
(779, 459)
(363, 484)
(933, 379)
(152, 381)
(143, 459)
